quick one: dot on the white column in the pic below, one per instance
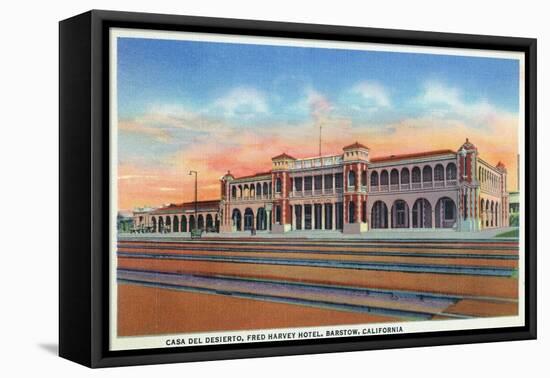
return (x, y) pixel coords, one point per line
(303, 217)
(294, 217)
(313, 216)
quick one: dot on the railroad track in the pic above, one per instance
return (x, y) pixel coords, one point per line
(395, 303)
(128, 248)
(415, 279)
(338, 264)
(473, 244)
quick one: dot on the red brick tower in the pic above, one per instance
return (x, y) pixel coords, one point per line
(355, 157)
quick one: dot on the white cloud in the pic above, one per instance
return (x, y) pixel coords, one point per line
(318, 104)
(439, 94)
(242, 102)
(442, 101)
(373, 93)
(162, 122)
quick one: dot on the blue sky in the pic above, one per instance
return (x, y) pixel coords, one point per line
(153, 72)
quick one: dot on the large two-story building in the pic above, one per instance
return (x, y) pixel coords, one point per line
(353, 192)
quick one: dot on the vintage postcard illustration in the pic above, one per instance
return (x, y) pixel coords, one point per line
(266, 189)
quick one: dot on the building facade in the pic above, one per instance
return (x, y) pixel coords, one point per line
(179, 218)
(352, 193)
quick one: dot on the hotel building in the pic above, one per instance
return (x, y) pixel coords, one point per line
(353, 193)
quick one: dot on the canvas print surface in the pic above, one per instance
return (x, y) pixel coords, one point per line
(269, 189)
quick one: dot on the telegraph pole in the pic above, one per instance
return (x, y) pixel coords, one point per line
(196, 220)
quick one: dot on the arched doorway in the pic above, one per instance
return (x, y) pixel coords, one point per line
(168, 225)
(176, 223)
(161, 225)
(400, 214)
(192, 225)
(209, 222)
(379, 215)
(422, 214)
(248, 219)
(482, 211)
(237, 220)
(154, 221)
(200, 222)
(351, 212)
(487, 213)
(261, 219)
(445, 213)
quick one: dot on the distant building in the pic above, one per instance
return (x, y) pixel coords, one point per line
(352, 192)
(179, 217)
(514, 209)
(125, 223)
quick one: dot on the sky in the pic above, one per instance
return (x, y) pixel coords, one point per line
(214, 107)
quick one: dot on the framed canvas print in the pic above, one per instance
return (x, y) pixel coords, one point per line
(234, 188)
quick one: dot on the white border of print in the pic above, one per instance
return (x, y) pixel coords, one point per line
(229, 337)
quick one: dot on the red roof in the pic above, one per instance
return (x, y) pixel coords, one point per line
(283, 156)
(187, 206)
(355, 145)
(411, 156)
(254, 175)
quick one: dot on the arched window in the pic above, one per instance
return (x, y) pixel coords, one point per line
(394, 177)
(405, 179)
(176, 223)
(384, 178)
(439, 173)
(451, 171)
(278, 185)
(233, 192)
(416, 175)
(265, 189)
(364, 178)
(374, 179)
(351, 178)
(258, 190)
(427, 174)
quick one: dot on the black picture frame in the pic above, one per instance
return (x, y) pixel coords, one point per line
(84, 186)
